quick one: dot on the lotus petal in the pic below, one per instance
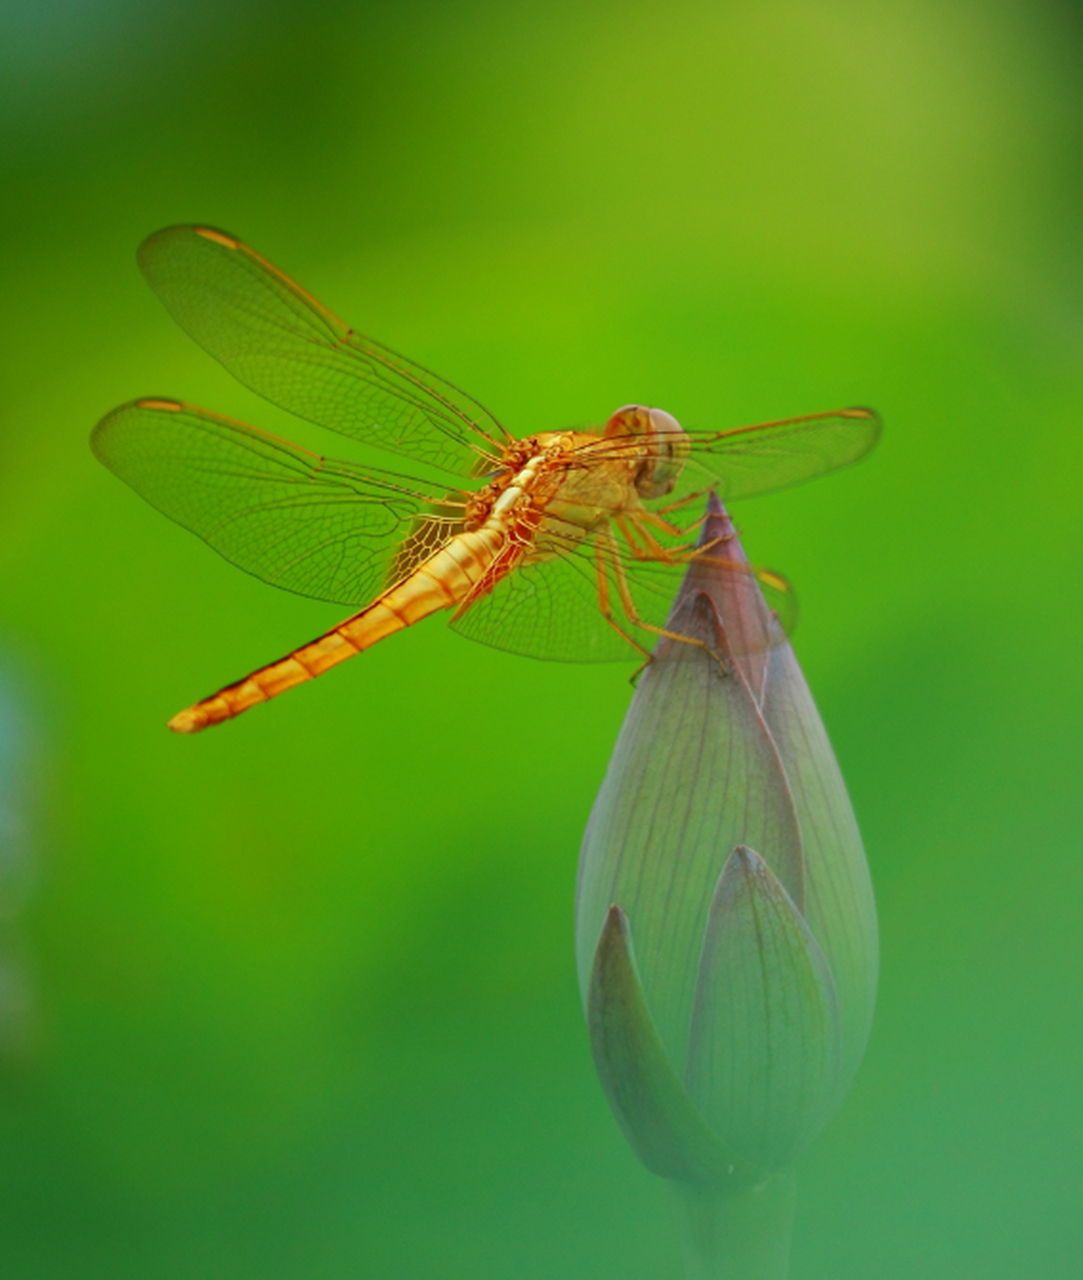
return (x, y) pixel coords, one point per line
(763, 1054)
(651, 1104)
(839, 905)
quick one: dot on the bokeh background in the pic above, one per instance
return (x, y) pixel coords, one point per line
(296, 999)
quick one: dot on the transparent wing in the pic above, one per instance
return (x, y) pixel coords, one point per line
(537, 609)
(277, 339)
(548, 609)
(748, 461)
(309, 524)
(774, 455)
(552, 607)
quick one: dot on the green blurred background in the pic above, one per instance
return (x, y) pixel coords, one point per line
(296, 998)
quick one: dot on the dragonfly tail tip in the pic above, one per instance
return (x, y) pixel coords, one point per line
(191, 720)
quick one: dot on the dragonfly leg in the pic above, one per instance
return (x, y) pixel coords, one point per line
(658, 552)
(695, 552)
(692, 551)
(634, 677)
(633, 617)
(675, 530)
(607, 610)
(654, 551)
(682, 502)
(667, 526)
(655, 518)
(638, 552)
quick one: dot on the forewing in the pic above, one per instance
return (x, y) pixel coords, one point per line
(748, 461)
(277, 339)
(309, 524)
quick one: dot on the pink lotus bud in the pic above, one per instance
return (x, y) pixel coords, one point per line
(726, 930)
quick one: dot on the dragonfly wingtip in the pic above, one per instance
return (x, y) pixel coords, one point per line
(219, 237)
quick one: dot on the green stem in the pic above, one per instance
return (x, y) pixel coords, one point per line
(744, 1237)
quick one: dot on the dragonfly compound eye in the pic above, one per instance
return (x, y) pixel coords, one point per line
(669, 448)
(655, 441)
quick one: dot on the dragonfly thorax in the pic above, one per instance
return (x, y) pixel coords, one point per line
(656, 441)
(522, 466)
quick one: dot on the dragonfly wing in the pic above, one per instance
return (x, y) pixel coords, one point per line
(309, 524)
(548, 608)
(748, 461)
(552, 608)
(277, 339)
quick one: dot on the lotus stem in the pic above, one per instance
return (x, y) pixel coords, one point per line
(743, 1237)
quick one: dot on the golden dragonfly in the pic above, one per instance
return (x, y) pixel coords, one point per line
(564, 544)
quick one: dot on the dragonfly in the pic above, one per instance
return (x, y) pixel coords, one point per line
(565, 544)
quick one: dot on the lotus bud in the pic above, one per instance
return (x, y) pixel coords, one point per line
(726, 931)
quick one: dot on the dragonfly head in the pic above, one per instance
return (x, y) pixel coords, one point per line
(657, 444)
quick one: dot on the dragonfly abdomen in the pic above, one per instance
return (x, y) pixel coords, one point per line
(444, 580)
